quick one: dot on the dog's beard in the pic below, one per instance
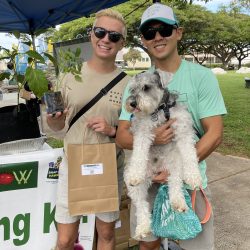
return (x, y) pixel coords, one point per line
(147, 105)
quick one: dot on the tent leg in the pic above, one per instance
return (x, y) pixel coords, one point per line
(40, 118)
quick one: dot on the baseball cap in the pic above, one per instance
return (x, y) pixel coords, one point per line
(158, 12)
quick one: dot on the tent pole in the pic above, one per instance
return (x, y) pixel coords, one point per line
(40, 118)
(33, 45)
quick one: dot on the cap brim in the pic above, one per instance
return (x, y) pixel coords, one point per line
(163, 20)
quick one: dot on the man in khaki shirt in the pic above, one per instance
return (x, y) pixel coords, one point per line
(107, 38)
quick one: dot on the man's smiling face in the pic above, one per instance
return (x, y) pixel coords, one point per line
(103, 47)
(161, 47)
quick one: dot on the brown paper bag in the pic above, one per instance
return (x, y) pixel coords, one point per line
(93, 185)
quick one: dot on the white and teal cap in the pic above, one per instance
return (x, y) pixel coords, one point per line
(158, 12)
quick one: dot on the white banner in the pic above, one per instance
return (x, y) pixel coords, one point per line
(27, 202)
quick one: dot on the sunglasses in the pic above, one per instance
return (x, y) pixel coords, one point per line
(164, 30)
(113, 36)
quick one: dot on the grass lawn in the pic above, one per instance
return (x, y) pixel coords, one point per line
(236, 122)
(133, 72)
(55, 143)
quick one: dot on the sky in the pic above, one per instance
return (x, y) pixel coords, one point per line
(213, 5)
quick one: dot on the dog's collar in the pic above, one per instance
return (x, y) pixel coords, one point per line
(165, 107)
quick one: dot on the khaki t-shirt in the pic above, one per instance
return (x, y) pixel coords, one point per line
(77, 94)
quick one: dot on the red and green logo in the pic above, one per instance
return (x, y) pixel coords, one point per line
(15, 176)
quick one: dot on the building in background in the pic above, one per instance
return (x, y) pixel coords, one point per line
(143, 63)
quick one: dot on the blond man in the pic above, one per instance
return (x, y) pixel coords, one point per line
(107, 38)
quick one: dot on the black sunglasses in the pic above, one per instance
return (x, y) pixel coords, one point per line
(164, 30)
(112, 35)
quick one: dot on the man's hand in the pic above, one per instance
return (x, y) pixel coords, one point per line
(100, 125)
(57, 121)
(161, 177)
(164, 134)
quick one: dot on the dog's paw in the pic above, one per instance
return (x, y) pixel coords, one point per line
(179, 205)
(193, 181)
(135, 181)
(143, 230)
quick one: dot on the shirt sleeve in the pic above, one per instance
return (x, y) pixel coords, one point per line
(124, 114)
(211, 102)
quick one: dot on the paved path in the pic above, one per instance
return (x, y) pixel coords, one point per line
(229, 181)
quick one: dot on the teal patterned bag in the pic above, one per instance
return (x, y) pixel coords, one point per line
(169, 223)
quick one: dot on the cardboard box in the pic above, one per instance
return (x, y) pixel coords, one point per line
(122, 246)
(132, 242)
(122, 232)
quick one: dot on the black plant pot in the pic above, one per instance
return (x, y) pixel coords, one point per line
(53, 102)
(18, 123)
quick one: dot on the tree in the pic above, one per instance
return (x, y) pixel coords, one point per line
(196, 21)
(132, 56)
(71, 30)
(223, 37)
(223, 34)
(241, 43)
(132, 12)
(231, 37)
(245, 4)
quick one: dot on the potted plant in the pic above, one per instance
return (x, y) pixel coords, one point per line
(17, 122)
(67, 62)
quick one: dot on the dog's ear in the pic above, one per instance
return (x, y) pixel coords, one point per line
(165, 77)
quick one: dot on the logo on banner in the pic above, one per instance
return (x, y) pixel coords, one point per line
(15, 176)
(54, 168)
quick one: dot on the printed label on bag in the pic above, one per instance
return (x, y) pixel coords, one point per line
(92, 169)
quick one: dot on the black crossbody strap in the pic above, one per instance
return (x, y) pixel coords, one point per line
(102, 93)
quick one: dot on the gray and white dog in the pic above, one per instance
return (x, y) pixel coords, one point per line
(152, 105)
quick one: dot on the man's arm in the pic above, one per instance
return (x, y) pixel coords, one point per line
(124, 138)
(213, 127)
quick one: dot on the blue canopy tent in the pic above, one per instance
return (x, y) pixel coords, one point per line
(29, 16)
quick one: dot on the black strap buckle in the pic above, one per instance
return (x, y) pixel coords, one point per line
(154, 116)
(103, 91)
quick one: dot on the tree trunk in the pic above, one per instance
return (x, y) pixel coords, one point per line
(240, 61)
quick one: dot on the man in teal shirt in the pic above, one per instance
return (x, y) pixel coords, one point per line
(198, 89)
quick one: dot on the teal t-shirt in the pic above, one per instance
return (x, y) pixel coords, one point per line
(198, 88)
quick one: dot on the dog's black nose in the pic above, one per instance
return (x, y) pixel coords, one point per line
(133, 104)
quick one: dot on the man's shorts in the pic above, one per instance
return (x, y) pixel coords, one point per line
(62, 212)
(204, 240)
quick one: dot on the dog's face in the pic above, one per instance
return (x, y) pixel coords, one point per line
(146, 92)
